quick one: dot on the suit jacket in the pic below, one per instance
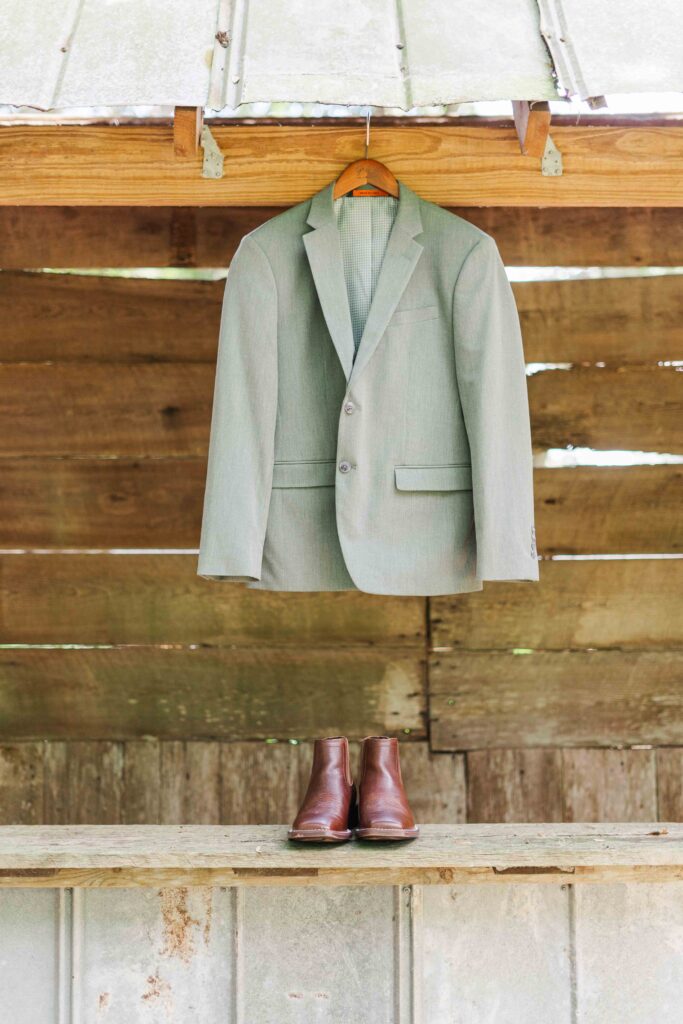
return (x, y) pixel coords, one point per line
(402, 466)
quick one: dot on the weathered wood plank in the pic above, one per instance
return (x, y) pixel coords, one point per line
(88, 778)
(611, 320)
(514, 785)
(631, 603)
(142, 782)
(206, 782)
(544, 784)
(609, 785)
(87, 318)
(146, 599)
(633, 407)
(105, 410)
(568, 698)
(157, 504)
(21, 784)
(670, 783)
(117, 236)
(274, 165)
(126, 856)
(435, 784)
(70, 317)
(262, 783)
(609, 510)
(205, 693)
(164, 409)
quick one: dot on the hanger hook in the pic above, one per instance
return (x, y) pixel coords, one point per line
(367, 132)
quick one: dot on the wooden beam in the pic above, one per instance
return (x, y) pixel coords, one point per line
(103, 857)
(278, 165)
(86, 318)
(187, 129)
(147, 599)
(177, 692)
(157, 503)
(118, 236)
(603, 698)
(627, 603)
(532, 124)
(164, 409)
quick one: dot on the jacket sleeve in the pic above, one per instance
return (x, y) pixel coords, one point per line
(241, 448)
(491, 377)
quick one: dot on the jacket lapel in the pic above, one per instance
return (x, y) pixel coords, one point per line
(324, 255)
(402, 253)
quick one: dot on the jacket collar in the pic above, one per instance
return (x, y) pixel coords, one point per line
(324, 254)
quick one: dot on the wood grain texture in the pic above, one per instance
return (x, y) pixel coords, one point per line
(611, 320)
(253, 855)
(22, 784)
(147, 599)
(157, 504)
(185, 693)
(514, 785)
(670, 783)
(632, 407)
(555, 698)
(144, 410)
(89, 318)
(609, 785)
(104, 236)
(630, 603)
(155, 410)
(274, 165)
(609, 510)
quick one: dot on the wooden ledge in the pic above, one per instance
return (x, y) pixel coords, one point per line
(119, 856)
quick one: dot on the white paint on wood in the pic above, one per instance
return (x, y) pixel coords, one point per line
(150, 955)
(328, 957)
(497, 954)
(629, 953)
(30, 989)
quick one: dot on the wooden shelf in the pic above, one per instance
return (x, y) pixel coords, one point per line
(118, 856)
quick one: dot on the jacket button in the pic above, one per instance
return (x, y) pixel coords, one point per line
(349, 408)
(344, 467)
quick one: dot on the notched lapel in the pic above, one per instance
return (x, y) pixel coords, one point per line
(397, 269)
(324, 255)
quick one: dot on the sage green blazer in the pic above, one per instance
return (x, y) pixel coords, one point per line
(400, 467)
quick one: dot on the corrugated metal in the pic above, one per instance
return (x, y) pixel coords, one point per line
(615, 46)
(393, 54)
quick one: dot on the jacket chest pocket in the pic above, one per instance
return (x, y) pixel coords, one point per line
(414, 316)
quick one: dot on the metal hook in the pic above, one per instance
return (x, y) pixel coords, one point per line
(367, 132)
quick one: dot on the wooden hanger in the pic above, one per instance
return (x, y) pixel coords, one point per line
(366, 172)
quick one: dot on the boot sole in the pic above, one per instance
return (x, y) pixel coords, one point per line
(318, 835)
(387, 834)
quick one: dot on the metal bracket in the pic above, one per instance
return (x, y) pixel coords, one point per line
(551, 161)
(212, 165)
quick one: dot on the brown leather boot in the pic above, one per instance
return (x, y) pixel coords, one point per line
(383, 809)
(327, 814)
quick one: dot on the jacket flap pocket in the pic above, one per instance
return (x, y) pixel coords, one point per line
(434, 478)
(411, 316)
(304, 474)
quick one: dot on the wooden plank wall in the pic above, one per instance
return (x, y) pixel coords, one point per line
(132, 691)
